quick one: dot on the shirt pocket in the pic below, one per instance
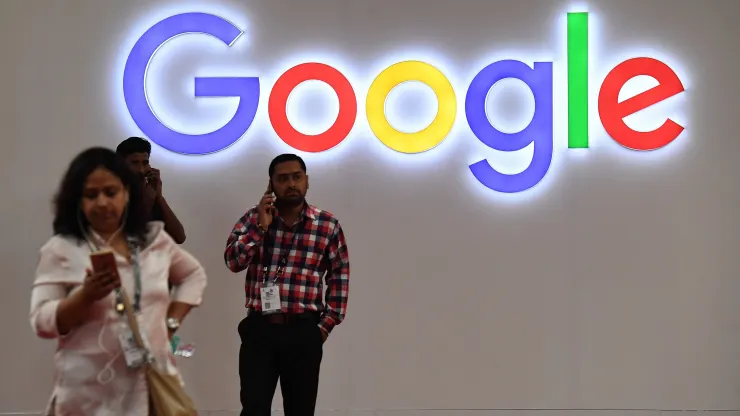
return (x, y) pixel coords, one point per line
(316, 254)
(312, 264)
(155, 272)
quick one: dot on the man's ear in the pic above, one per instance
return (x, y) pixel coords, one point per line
(307, 182)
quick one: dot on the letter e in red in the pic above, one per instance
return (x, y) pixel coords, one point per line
(613, 112)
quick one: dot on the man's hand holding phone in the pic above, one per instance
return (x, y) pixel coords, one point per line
(103, 278)
(266, 209)
(154, 180)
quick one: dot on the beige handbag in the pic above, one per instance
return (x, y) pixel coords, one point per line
(166, 395)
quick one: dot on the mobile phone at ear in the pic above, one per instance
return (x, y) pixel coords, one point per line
(270, 192)
(103, 261)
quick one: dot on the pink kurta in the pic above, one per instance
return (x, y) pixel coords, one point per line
(91, 374)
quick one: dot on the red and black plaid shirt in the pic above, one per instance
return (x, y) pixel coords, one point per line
(319, 249)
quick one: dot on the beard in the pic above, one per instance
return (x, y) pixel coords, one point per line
(290, 200)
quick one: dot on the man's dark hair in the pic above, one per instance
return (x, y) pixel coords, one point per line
(133, 145)
(68, 217)
(286, 157)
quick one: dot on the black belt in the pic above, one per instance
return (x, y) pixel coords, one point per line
(282, 318)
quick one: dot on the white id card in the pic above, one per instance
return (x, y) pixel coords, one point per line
(270, 296)
(134, 355)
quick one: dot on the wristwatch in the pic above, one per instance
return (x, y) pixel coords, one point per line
(173, 324)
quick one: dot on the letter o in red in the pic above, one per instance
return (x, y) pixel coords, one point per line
(279, 100)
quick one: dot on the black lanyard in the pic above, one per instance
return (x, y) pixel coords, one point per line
(267, 259)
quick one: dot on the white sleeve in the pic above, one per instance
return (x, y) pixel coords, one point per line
(49, 289)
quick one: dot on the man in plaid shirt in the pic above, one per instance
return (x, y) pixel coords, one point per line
(290, 250)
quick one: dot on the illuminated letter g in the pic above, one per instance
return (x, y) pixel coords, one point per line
(134, 86)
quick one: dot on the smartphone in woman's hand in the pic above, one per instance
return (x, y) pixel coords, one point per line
(104, 261)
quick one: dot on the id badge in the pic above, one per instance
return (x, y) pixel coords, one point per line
(133, 354)
(270, 296)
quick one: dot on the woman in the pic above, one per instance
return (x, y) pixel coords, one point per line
(99, 206)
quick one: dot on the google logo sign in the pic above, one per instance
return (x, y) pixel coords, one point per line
(539, 79)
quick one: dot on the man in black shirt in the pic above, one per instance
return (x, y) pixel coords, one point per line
(136, 151)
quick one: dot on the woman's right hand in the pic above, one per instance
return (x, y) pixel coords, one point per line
(74, 310)
(99, 285)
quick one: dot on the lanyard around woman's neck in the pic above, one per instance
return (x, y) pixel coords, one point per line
(120, 307)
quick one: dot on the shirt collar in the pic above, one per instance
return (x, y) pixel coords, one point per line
(309, 211)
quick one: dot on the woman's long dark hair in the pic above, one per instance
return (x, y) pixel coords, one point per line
(67, 203)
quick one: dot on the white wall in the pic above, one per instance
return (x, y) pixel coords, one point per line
(610, 285)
